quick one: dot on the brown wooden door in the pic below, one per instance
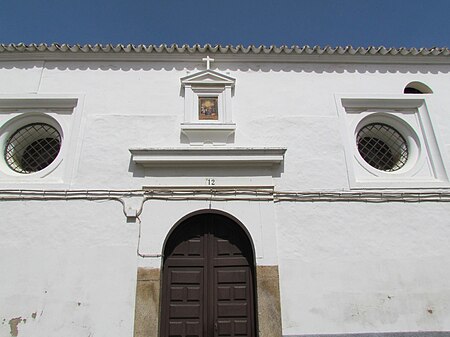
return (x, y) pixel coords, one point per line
(208, 280)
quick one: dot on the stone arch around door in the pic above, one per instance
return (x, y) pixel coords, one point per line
(208, 282)
(151, 308)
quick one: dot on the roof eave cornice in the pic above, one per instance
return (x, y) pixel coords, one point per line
(174, 53)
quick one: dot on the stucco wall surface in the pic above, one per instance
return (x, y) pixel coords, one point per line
(160, 217)
(141, 105)
(364, 267)
(69, 267)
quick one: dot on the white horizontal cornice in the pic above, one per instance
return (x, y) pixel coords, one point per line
(201, 157)
(37, 103)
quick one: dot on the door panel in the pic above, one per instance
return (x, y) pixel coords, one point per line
(208, 278)
(233, 315)
(186, 301)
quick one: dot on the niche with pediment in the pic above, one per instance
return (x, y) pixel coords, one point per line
(207, 108)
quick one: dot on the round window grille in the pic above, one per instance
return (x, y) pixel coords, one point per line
(32, 148)
(382, 147)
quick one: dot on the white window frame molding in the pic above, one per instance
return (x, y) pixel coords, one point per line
(61, 111)
(410, 116)
(207, 83)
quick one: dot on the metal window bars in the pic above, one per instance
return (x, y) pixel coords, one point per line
(32, 148)
(382, 147)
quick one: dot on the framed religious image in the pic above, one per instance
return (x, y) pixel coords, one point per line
(208, 108)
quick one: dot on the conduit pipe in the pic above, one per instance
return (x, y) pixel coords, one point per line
(228, 194)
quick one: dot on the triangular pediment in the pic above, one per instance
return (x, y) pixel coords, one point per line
(207, 77)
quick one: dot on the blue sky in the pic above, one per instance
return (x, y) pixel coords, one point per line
(391, 23)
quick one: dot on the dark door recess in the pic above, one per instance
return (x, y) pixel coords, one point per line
(208, 277)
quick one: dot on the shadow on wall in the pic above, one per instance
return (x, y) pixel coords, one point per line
(195, 64)
(200, 172)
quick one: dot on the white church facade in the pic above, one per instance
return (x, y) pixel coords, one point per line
(224, 191)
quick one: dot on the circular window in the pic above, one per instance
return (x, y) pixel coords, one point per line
(32, 148)
(382, 147)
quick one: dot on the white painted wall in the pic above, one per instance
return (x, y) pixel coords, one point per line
(344, 267)
(364, 267)
(68, 268)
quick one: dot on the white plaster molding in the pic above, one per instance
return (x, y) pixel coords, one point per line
(38, 103)
(425, 166)
(207, 133)
(179, 157)
(61, 111)
(362, 102)
(207, 84)
(207, 77)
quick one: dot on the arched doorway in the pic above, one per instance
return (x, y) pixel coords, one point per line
(208, 279)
